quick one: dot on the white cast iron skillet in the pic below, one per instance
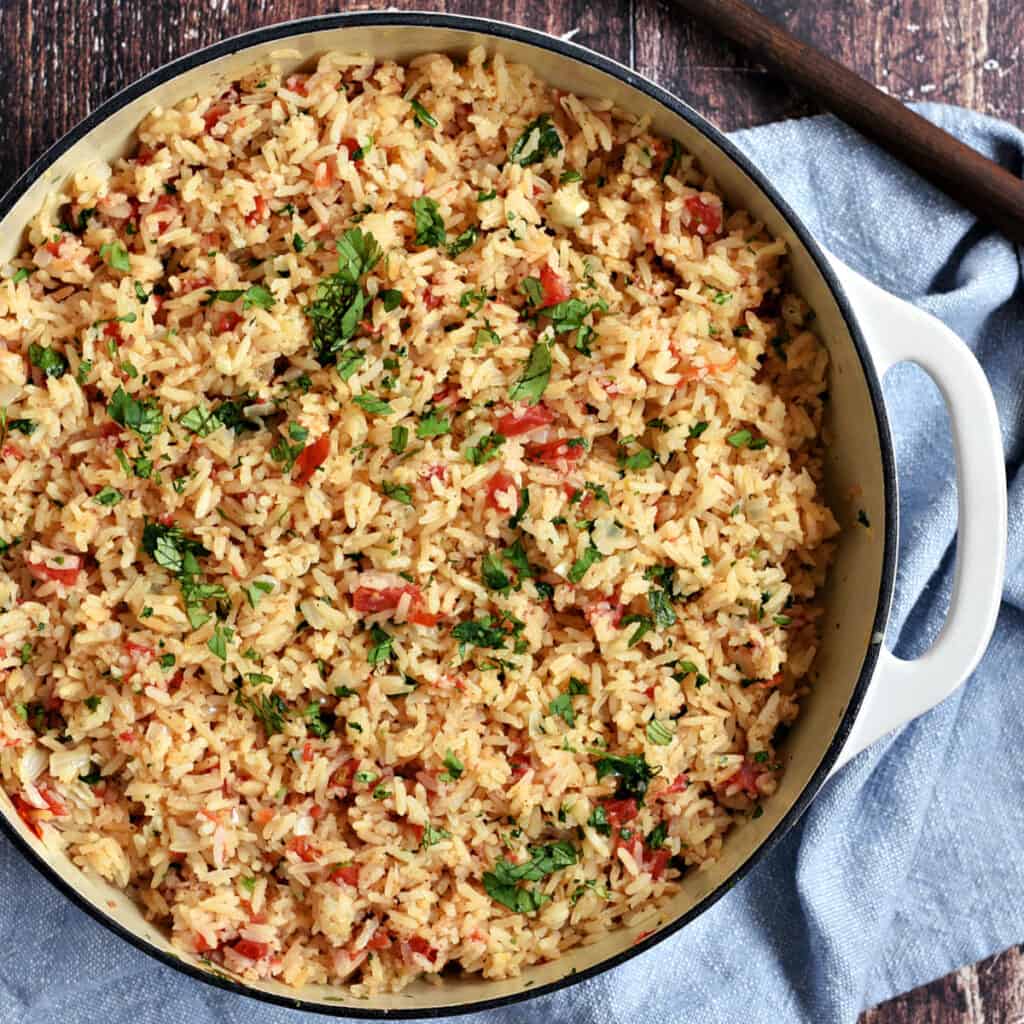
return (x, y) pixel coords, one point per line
(861, 690)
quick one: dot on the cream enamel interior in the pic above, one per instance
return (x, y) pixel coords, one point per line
(854, 466)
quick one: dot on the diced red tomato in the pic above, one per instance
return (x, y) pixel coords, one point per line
(138, 652)
(620, 811)
(214, 114)
(343, 777)
(438, 471)
(163, 204)
(555, 288)
(166, 519)
(522, 421)
(707, 216)
(430, 300)
(307, 751)
(380, 940)
(127, 736)
(53, 801)
(251, 950)
(656, 861)
(27, 814)
(365, 599)
(297, 83)
(53, 248)
(418, 617)
(607, 606)
(12, 451)
(112, 330)
(259, 213)
(691, 373)
(555, 453)
(310, 459)
(746, 778)
(519, 765)
(420, 946)
(353, 147)
(323, 175)
(263, 815)
(349, 875)
(445, 395)
(228, 322)
(316, 812)
(144, 156)
(65, 574)
(499, 483)
(303, 849)
(678, 785)
(192, 282)
(653, 861)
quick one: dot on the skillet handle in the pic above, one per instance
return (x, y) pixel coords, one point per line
(899, 332)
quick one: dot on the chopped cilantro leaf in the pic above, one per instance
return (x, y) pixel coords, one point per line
(539, 139)
(200, 421)
(397, 492)
(372, 404)
(464, 241)
(381, 650)
(50, 361)
(115, 255)
(485, 449)
(399, 439)
(433, 426)
(430, 228)
(579, 568)
(144, 417)
(536, 375)
(218, 643)
(421, 115)
(109, 497)
(454, 767)
(340, 300)
(256, 591)
(633, 772)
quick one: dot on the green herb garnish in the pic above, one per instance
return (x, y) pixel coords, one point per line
(536, 375)
(539, 139)
(430, 228)
(50, 361)
(116, 256)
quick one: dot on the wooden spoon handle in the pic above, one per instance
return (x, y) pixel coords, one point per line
(974, 181)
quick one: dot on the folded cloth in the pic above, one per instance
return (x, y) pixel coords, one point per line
(911, 861)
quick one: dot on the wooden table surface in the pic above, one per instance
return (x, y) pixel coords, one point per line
(61, 58)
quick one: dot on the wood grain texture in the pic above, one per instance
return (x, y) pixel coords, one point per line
(968, 52)
(990, 992)
(60, 58)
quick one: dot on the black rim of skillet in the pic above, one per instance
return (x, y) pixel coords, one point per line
(564, 48)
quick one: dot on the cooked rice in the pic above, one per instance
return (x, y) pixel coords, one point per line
(351, 846)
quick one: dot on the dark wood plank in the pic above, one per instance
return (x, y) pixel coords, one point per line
(950, 51)
(990, 992)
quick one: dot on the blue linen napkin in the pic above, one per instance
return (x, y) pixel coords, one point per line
(911, 861)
